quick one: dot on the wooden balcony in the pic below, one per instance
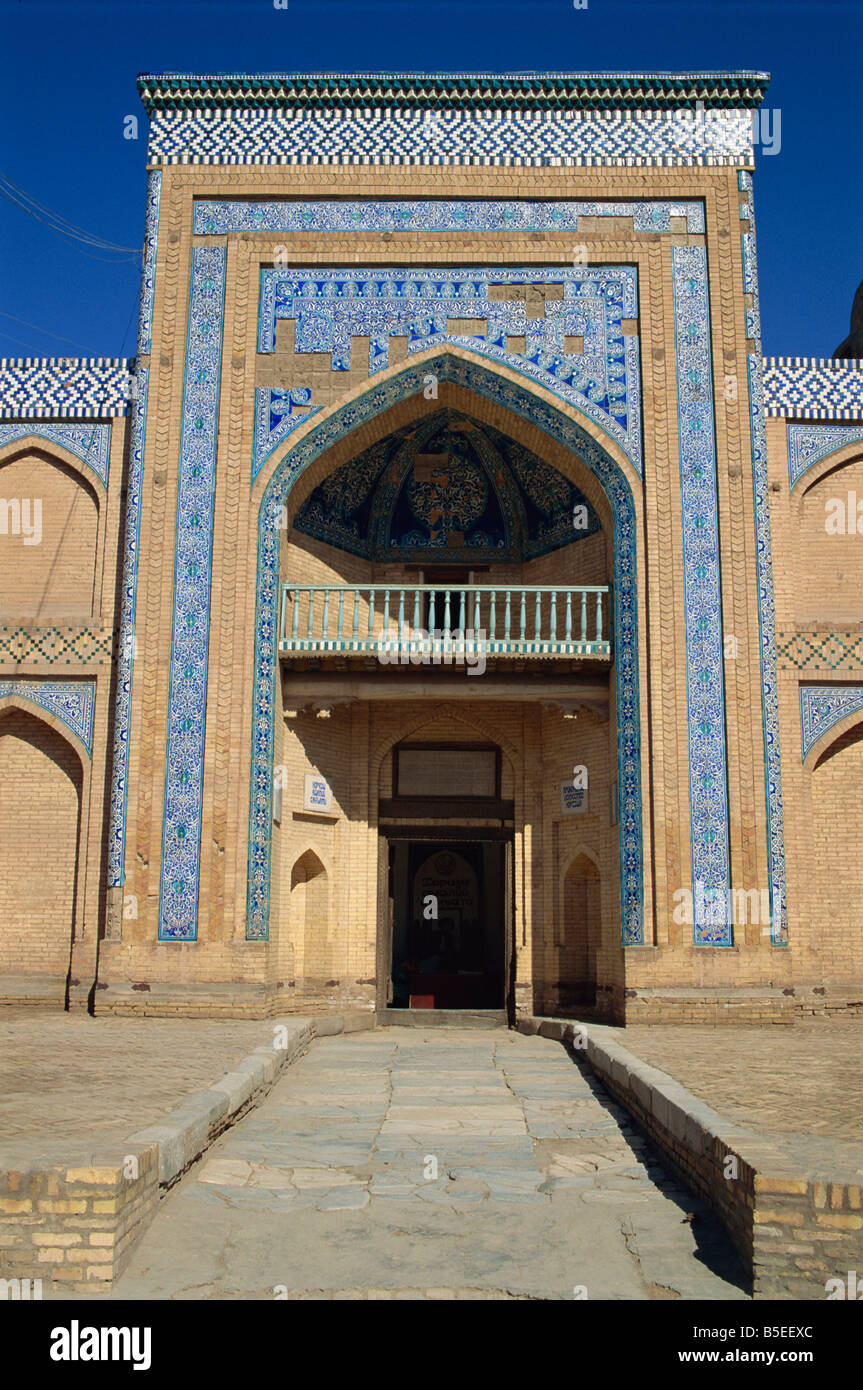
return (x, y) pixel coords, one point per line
(431, 624)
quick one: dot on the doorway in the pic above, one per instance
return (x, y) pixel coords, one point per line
(448, 923)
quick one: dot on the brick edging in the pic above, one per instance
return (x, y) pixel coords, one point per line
(77, 1225)
(794, 1230)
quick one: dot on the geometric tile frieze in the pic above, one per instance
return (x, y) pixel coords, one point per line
(71, 702)
(69, 646)
(451, 137)
(823, 706)
(77, 388)
(812, 388)
(801, 651)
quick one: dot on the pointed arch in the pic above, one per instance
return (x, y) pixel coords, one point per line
(303, 465)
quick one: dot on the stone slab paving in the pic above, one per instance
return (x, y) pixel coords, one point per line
(70, 1084)
(411, 1163)
(801, 1085)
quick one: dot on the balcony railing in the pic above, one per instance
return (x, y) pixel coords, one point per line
(383, 620)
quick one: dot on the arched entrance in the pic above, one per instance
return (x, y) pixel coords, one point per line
(310, 922)
(609, 490)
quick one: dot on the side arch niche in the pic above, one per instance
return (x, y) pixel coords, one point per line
(40, 812)
(581, 935)
(49, 533)
(836, 862)
(309, 923)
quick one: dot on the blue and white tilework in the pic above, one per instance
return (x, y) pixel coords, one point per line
(148, 282)
(809, 444)
(764, 565)
(72, 702)
(330, 307)
(75, 388)
(90, 443)
(214, 217)
(425, 136)
(705, 692)
(187, 701)
(275, 418)
(813, 388)
(126, 645)
(822, 707)
(475, 376)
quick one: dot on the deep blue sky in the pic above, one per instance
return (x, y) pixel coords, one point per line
(67, 79)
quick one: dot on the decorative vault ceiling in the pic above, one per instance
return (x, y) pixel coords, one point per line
(447, 488)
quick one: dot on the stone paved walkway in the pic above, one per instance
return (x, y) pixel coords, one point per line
(421, 1163)
(69, 1082)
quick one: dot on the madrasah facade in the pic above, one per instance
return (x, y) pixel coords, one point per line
(448, 607)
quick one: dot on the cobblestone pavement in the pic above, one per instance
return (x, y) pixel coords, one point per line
(421, 1163)
(69, 1082)
(801, 1084)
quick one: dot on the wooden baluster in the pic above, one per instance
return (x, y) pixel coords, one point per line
(371, 611)
(492, 615)
(416, 610)
(569, 615)
(462, 604)
(432, 597)
(295, 622)
(583, 615)
(476, 612)
(446, 612)
(599, 615)
(537, 620)
(523, 631)
(341, 615)
(554, 615)
(355, 626)
(311, 614)
(326, 614)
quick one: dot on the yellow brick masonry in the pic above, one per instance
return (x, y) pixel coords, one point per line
(323, 947)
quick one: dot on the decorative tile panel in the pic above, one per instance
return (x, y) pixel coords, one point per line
(187, 700)
(813, 388)
(72, 702)
(377, 398)
(148, 283)
(275, 418)
(90, 443)
(809, 444)
(822, 707)
(76, 388)
(774, 810)
(705, 692)
(126, 644)
(330, 307)
(214, 217)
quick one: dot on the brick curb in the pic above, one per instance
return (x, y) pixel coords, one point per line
(793, 1229)
(77, 1226)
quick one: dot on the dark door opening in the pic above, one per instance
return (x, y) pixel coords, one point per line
(448, 924)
